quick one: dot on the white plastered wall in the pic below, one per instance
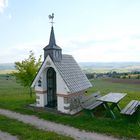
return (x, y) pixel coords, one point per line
(41, 100)
(41, 91)
(41, 95)
(62, 105)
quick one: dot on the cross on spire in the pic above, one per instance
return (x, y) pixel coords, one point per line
(51, 17)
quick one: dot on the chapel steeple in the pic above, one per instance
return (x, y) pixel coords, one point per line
(52, 37)
(54, 51)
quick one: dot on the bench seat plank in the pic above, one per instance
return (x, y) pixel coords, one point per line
(94, 105)
(131, 107)
(90, 102)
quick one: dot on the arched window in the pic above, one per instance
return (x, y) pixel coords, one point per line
(39, 83)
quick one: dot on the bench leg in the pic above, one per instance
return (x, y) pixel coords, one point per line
(89, 112)
(109, 110)
(92, 114)
(118, 107)
(115, 105)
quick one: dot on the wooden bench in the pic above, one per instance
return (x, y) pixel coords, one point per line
(131, 108)
(90, 102)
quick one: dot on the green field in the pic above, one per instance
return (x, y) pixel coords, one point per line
(15, 97)
(6, 71)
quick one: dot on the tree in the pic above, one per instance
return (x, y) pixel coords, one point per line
(26, 70)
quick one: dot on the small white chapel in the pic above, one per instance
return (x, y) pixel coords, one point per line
(60, 82)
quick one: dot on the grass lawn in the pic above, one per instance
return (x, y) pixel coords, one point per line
(27, 132)
(15, 97)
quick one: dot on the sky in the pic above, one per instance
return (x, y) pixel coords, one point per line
(90, 30)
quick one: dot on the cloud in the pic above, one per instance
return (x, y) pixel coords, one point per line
(20, 52)
(100, 49)
(3, 5)
(84, 49)
(10, 16)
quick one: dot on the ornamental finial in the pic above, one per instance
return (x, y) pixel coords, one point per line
(51, 17)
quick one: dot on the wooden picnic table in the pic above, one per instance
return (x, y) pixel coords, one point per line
(111, 100)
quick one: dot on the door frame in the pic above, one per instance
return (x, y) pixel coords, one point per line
(51, 88)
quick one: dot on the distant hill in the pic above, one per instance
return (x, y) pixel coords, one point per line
(95, 66)
(110, 66)
(7, 66)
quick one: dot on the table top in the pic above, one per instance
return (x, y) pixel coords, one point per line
(112, 97)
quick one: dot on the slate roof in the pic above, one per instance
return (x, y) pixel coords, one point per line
(72, 74)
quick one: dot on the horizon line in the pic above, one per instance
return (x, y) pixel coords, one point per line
(89, 62)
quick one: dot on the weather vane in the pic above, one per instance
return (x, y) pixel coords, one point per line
(51, 17)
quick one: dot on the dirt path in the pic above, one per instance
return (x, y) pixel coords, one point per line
(55, 127)
(7, 136)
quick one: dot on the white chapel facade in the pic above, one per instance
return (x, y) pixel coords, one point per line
(60, 82)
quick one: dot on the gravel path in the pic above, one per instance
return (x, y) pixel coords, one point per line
(55, 127)
(7, 136)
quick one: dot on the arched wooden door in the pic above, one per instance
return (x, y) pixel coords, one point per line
(51, 88)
